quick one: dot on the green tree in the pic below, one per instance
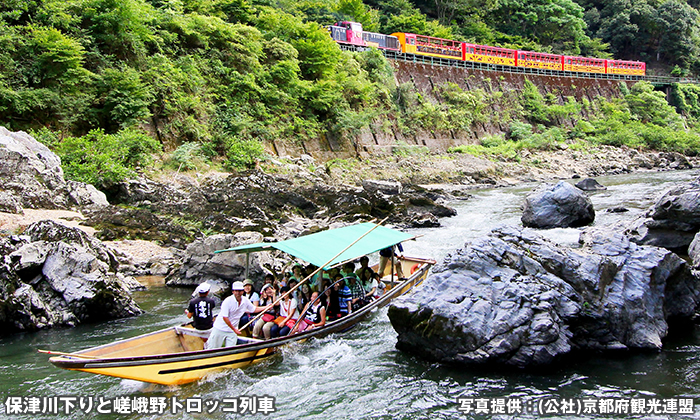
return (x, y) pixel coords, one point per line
(359, 12)
(678, 32)
(650, 106)
(550, 22)
(122, 28)
(124, 98)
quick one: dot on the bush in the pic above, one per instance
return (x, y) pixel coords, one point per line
(104, 159)
(188, 157)
(243, 154)
(547, 140)
(519, 130)
(492, 141)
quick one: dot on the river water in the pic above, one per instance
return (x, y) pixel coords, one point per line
(361, 375)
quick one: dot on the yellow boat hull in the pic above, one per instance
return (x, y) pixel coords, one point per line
(173, 356)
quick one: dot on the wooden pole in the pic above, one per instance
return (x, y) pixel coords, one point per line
(58, 353)
(312, 274)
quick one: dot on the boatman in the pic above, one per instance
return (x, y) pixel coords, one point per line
(225, 332)
(387, 254)
(201, 310)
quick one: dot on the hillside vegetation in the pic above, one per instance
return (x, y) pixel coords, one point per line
(109, 83)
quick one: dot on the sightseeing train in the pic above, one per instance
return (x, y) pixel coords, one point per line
(351, 33)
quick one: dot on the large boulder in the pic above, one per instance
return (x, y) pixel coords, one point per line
(672, 221)
(201, 263)
(33, 178)
(55, 275)
(558, 205)
(516, 299)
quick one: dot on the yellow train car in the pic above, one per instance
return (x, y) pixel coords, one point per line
(585, 64)
(430, 46)
(489, 55)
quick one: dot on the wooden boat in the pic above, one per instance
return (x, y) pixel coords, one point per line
(175, 355)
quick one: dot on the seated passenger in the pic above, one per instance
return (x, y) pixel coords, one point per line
(369, 284)
(380, 286)
(366, 279)
(292, 284)
(252, 296)
(344, 298)
(288, 314)
(364, 265)
(332, 301)
(357, 294)
(315, 315)
(348, 270)
(303, 296)
(297, 273)
(267, 321)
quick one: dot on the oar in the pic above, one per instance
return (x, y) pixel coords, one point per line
(58, 353)
(312, 274)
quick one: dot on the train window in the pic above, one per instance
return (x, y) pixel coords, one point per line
(411, 41)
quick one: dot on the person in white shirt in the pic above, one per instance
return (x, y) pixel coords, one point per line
(225, 332)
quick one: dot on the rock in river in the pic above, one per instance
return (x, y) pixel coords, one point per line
(517, 299)
(590, 184)
(559, 205)
(672, 221)
(57, 275)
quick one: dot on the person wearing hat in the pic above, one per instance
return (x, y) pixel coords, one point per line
(201, 309)
(254, 298)
(225, 332)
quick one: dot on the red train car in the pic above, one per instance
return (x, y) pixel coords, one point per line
(585, 64)
(490, 55)
(633, 68)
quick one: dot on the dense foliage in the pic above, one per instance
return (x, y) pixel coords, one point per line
(225, 74)
(640, 119)
(222, 80)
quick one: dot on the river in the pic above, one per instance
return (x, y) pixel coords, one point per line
(361, 375)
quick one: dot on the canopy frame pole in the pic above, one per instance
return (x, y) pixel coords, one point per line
(314, 273)
(247, 264)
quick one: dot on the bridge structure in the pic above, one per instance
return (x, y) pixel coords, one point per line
(658, 81)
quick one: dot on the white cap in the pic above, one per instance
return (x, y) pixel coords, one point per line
(237, 285)
(203, 288)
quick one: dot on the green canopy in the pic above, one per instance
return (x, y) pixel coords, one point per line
(319, 248)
